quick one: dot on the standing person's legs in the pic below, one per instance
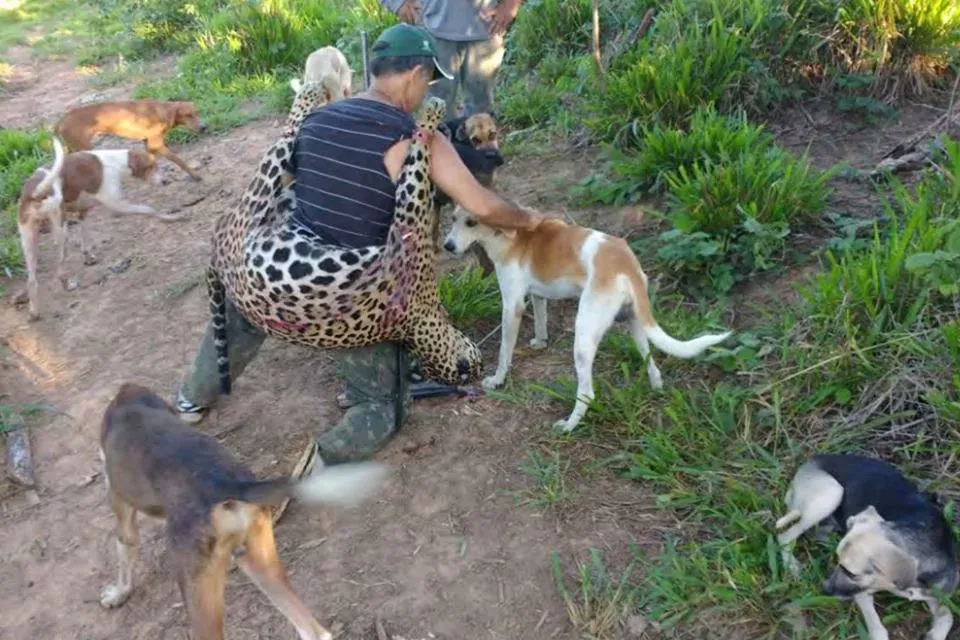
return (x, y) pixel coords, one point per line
(450, 55)
(377, 391)
(481, 63)
(201, 388)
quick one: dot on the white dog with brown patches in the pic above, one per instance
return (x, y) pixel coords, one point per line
(559, 261)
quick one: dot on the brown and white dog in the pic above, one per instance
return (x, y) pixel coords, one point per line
(560, 261)
(213, 505)
(146, 120)
(323, 62)
(67, 191)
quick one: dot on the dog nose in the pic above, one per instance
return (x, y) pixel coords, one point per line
(202, 128)
(449, 246)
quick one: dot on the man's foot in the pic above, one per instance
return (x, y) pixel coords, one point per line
(189, 412)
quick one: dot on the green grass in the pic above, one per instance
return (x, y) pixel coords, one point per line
(21, 152)
(468, 296)
(548, 477)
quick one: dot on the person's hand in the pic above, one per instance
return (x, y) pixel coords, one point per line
(409, 11)
(536, 217)
(501, 17)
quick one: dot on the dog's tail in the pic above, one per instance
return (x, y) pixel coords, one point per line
(792, 515)
(217, 294)
(644, 321)
(342, 484)
(54, 172)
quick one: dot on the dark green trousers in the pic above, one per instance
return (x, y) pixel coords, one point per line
(376, 384)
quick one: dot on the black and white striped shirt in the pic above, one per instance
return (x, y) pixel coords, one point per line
(344, 193)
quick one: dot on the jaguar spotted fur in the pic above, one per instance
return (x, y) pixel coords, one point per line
(285, 281)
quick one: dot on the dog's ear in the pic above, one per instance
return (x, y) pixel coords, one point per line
(461, 134)
(898, 566)
(867, 516)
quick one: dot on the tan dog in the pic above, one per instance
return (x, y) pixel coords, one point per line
(147, 120)
(560, 261)
(213, 505)
(76, 183)
(322, 62)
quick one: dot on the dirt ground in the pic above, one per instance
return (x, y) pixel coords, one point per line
(443, 552)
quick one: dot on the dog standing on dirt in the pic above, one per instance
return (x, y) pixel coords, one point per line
(323, 62)
(67, 191)
(146, 120)
(896, 538)
(213, 505)
(560, 261)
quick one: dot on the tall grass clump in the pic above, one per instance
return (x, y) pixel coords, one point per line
(21, 152)
(699, 52)
(659, 150)
(263, 36)
(904, 46)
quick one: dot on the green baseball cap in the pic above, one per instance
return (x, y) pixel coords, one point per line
(406, 41)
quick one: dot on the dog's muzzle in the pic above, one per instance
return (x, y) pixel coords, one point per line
(840, 587)
(450, 246)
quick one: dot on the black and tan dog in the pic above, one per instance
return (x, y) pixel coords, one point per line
(896, 538)
(213, 505)
(477, 142)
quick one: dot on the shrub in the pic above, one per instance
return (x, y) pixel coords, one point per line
(21, 152)
(731, 216)
(264, 36)
(697, 53)
(912, 264)
(904, 44)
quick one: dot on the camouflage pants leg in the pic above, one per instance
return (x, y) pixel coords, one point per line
(202, 384)
(378, 392)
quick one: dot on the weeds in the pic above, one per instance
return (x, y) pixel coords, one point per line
(548, 473)
(600, 603)
(468, 296)
(21, 152)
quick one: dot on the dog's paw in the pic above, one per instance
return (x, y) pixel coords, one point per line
(792, 565)
(562, 426)
(491, 382)
(112, 596)
(656, 379)
(538, 344)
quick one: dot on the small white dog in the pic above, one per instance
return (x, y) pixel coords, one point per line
(561, 261)
(323, 62)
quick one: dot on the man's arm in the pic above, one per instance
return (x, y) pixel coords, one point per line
(452, 176)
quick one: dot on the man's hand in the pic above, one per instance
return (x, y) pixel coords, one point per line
(409, 11)
(501, 17)
(536, 217)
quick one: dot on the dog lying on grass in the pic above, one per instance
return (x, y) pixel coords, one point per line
(560, 261)
(213, 505)
(896, 538)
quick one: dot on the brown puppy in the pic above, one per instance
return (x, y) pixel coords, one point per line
(76, 183)
(147, 120)
(212, 504)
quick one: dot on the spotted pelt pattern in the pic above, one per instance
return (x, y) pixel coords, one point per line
(284, 280)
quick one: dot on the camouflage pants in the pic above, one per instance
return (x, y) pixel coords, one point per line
(376, 385)
(474, 66)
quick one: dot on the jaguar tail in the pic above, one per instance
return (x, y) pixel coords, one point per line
(218, 315)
